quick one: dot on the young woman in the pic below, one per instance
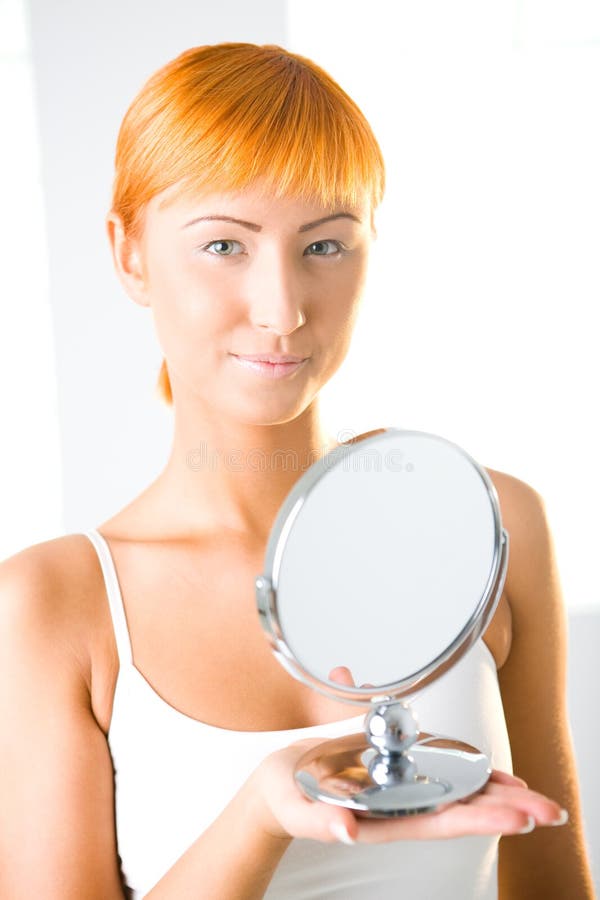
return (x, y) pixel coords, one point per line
(149, 736)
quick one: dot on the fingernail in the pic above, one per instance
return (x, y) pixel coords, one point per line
(562, 819)
(529, 827)
(340, 832)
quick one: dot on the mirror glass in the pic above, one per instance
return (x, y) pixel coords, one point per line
(382, 559)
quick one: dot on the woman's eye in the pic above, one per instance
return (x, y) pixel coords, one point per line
(222, 248)
(320, 248)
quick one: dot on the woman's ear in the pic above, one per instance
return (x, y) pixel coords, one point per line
(373, 228)
(127, 258)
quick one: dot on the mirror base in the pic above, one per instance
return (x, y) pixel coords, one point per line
(337, 772)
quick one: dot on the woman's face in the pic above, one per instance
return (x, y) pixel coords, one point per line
(279, 281)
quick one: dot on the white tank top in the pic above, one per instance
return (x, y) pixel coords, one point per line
(174, 775)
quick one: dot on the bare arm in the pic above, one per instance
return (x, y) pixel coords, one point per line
(57, 837)
(550, 863)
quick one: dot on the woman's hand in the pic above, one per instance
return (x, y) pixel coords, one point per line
(504, 806)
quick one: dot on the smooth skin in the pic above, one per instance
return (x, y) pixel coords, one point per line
(215, 289)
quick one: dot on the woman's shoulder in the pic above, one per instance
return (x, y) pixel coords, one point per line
(47, 597)
(522, 506)
(52, 569)
(513, 491)
(532, 579)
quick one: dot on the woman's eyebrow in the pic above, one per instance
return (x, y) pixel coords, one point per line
(254, 227)
(340, 215)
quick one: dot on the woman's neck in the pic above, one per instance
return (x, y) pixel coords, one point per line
(233, 477)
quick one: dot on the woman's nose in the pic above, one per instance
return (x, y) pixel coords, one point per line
(276, 298)
(280, 322)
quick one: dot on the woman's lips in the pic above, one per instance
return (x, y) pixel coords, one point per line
(267, 369)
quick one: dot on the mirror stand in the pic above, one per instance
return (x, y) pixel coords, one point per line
(392, 769)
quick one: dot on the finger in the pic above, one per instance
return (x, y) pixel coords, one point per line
(456, 820)
(544, 810)
(342, 675)
(506, 778)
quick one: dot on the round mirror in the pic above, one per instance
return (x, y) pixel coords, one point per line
(386, 561)
(383, 559)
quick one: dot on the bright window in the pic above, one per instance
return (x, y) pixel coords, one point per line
(30, 475)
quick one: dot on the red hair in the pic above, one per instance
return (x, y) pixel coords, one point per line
(221, 116)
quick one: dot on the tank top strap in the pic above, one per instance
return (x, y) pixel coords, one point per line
(115, 598)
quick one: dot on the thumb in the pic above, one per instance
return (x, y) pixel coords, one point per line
(342, 675)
